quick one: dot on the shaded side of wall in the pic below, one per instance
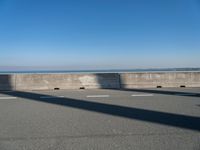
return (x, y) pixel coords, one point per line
(7, 82)
(66, 81)
(163, 79)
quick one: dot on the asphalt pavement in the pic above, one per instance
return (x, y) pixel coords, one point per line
(99, 119)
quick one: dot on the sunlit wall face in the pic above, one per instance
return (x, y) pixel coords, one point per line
(95, 34)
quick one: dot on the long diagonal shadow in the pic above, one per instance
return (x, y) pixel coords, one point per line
(170, 119)
(164, 92)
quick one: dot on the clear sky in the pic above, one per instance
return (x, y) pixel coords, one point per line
(100, 34)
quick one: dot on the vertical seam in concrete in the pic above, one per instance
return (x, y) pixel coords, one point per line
(15, 82)
(119, 80)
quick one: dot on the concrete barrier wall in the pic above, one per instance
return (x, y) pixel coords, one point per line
(101, 80)
(66, 81)
(163, 79)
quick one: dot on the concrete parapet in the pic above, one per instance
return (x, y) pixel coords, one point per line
(100, 80)
(66, 81)
(160, 79)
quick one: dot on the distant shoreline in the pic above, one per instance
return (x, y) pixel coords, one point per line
(102, 71)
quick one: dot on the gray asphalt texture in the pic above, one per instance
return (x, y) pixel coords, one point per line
(139, 119)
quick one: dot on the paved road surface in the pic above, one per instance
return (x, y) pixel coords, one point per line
(150, 119)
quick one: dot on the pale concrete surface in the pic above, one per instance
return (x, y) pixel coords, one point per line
(166, 120)
(66, 81)
(100, 80)
(164, 79)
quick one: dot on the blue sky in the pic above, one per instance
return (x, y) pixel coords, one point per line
(100, 34)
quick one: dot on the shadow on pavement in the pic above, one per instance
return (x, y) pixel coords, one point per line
(164, 92)
(170, 119)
